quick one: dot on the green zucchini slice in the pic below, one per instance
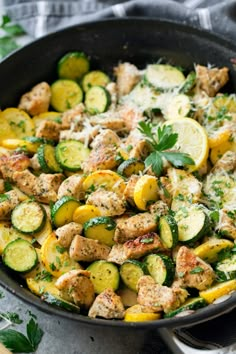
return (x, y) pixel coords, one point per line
(161, 268)
(190, 304)
(101, 228)
(63, 210)
(226, 269)
(20, 255)
(47, 159)
(97, 100)
(131, 167)
(193, 224)
(94, 78)
(70, 154)
(39, 141)
(28, 217)
(131, 271)
(168, 231)
(164, 77)
(59, 302)
(73, 66)
(65, 94)
(189, 83)
(104, 275)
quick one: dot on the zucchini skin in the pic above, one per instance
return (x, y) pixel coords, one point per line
(131, 271)
(73, 150)
(168, 268)
(73, 66)
(101, 228)
(59, 302)
(171, 224)
(97, 100)
(130, 167)
(47, 159)
(56, 209)
(191, 304)
(20, 256)
(104, 275)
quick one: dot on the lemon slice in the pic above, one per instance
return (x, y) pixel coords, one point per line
(145, 191)
(192, 140)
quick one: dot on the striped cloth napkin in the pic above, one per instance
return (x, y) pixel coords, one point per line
(218, 16)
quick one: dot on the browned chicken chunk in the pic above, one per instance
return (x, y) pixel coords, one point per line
(192, 271)
(8, 202)
(227, 223)
(73, 116)
(137, 225)
(88, 250)
(73, 187)
(48, 130)
(13, 163)
(135, 249)
(67, 232)
(117, 254)
(107, 305)
(211, 80)
(158, 297)
(226, 163)
(127, 77)
(37, 100)
(76, 286)
(109, 203)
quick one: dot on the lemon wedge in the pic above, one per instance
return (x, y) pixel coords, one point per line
(192, 140)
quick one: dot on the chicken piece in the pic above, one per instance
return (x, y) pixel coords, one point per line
(34, 163)
(76, 286)
(109, 203)
(192, 270)
(227, 223)
(109, 120)
(2, 186)
(184, 186)
(157, 297)
(117, 254)
(8, 202)
(67, 232)
(127, 77)
(88, 250)
(211, 80)
(112, 89)
(48, 130)
(159, 209)
(13, 163)
(37, 100)
(43, 188)
(73, 187)
(227, 163)
(107, 305)
(73, 116)
(131, 117)
(135, 226)
(85, 136)
(138, 147)
(142, 245)
(103, 155)
(129, 189)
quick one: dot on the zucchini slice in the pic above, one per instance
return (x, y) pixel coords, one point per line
(164, 77)
(210, 250)
(94, 78)
(131, 167)
(71, 154)
(189, 82)
(84, 213)
(47, 159)
(190, 304)
(135, 314)
(192, 224)
(66, 94)
(146, 191)
(101, 228)
(20, 122)
(13, 144)
(104, 275)
(73, 66)
(63, 210)
(226, 269)
(109, 180)
(168, 231)
(20, 255)
(47, 116)
(161, 268)
(131, 271)
(59, 302)
(228, 102)
(218, 290)
(143, 96)
(97, 100)
(28, 217)
(55, 258)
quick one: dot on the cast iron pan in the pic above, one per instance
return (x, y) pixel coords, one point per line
(139, 41)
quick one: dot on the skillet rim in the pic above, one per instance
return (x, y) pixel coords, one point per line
(13, 286)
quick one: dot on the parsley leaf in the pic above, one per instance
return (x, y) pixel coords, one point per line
(196, 270)
(7, 39)
(12, 317)
(18, 342)
(161, 143)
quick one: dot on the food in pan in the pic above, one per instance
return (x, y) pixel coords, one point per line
(118, 191)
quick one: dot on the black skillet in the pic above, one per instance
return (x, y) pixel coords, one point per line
(139, 41)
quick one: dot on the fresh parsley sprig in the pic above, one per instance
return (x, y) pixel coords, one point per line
(9, 31)
(18, 342)
(161, 143)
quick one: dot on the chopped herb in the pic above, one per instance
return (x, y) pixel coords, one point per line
(12, 317)
(181, 274)
(4, 197)
(1, 294)
(52, 266)
(147, 240)
(160, 143)
(60, 249)
(196, 270)
(7, 186)
(58, 261)
(44, 275)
